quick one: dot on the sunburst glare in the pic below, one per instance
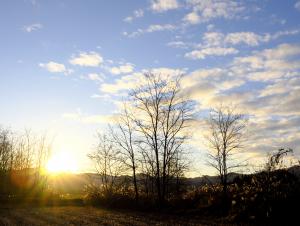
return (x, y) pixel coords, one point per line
(62, 162)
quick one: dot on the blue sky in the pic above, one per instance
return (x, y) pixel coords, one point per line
(65, 65)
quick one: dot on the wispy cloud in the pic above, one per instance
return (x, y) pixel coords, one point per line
(32, 27)
(152, 28)
(177, 44)
(96, 77)
(98, 96)
(247, 38)
(136, 14)
(87, 59)
(32, 2)
(297, 5)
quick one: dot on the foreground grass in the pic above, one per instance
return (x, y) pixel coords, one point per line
(92, 216)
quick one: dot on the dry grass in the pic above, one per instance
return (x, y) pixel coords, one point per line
(90, 216)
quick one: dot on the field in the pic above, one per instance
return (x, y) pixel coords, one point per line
(90, 216)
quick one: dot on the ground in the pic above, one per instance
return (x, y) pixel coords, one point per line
(90, 216)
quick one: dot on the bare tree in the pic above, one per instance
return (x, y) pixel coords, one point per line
(107, 163)
(161, 118)
(124, 137)
(226, 130)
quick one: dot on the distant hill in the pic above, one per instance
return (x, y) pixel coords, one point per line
(197, 181)
(75, 184)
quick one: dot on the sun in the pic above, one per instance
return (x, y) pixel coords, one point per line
(62, 162)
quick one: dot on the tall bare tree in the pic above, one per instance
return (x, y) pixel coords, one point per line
(124, 137)
(161, 118)
(225, 137)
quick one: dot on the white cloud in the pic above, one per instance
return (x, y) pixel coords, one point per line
(219, 44)
(276, 67)
(281, 51)
(33, 27)
(204, 84)
(55, 67)
(122, 69)
(127, 82)
(281, 86)
(164, 5)
(230, 84)
(206, 10)
(192, 18)
(270, 63)
(215, 51)
(90, 59)
(198, 83)
(265, 75)
(212, 39)
(297, 5)
(279, 72)
(273, 106)
(248, 38)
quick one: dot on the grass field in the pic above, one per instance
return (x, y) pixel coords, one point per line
(91, 216)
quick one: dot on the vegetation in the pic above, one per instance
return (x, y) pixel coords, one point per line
(22, 162)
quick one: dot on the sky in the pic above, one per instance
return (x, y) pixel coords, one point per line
(66, 65)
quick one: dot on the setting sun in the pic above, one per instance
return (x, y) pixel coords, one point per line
(62, 162)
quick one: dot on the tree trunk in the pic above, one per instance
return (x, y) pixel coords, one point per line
(135, 185)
